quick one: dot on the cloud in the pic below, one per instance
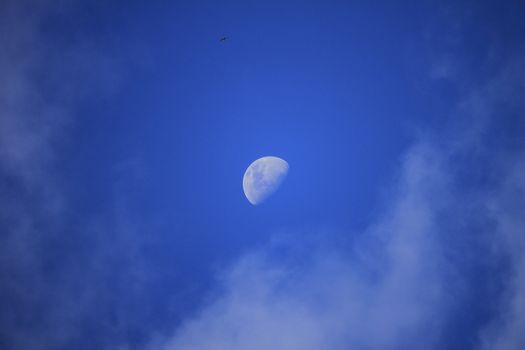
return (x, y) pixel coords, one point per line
(413, 279)
(44, 302)
(390, 290)
(507, 206)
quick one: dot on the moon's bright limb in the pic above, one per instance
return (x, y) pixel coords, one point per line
(263, 177)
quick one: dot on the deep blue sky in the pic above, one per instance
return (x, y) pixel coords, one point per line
(126, 127)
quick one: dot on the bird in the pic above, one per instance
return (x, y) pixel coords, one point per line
(223, 39)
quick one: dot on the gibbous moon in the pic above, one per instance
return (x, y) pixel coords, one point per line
(263, 177)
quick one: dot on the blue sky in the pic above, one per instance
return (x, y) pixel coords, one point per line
(125, 130)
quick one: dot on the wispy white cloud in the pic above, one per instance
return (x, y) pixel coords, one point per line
(507, 208)
(42, 81)
(404, 282)
(390, 290)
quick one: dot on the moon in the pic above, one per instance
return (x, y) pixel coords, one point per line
(263, 177)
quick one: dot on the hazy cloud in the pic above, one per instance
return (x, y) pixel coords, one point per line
(43, 299)
(507, 208)
(406, 282)
(388, 293)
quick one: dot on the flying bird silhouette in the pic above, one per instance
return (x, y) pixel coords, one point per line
(224, 38)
